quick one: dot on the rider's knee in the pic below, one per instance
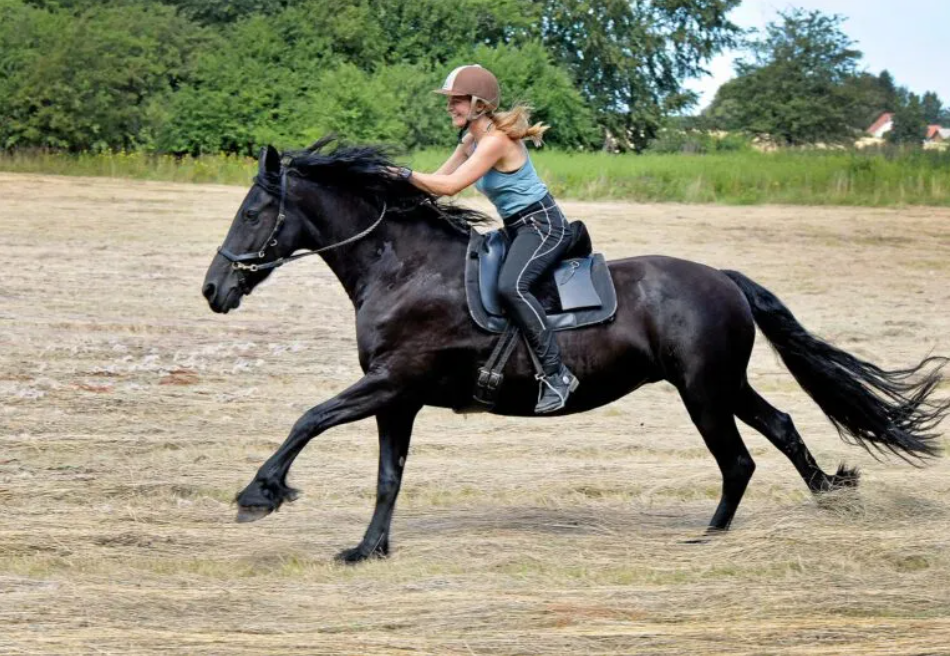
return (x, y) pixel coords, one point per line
(509, 290)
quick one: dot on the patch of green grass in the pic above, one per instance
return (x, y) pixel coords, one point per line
(867, 178)
(215, 169)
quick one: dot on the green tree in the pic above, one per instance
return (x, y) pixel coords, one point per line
(932, 108)
(236, 96)
(630, 58)
(793, 87)
(910, 124)
(217, 12)
(869, 96)
(85, 81)
(210, 75)
(889, 91)
(436, 31)
(315, 68)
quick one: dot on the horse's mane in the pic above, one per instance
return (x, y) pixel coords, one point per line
(364, 171)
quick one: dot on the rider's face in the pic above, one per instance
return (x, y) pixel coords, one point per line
(459, 109)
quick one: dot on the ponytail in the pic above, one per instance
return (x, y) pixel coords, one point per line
(516, 123)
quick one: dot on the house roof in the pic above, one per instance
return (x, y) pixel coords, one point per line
(881, 121)
(935, 131)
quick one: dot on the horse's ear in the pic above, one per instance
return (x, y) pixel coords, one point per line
(269, 161)
(320, 143)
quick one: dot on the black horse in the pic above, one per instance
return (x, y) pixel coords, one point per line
(399, 254)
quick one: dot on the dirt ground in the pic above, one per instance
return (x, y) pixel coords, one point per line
(131, 415)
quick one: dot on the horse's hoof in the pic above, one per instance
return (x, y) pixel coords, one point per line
(357, 555)
(708, 536)
(247, 514)
(846, 478)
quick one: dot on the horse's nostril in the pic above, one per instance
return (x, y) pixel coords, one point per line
(208, 290)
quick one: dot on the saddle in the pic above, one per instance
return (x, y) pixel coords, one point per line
(579, 293)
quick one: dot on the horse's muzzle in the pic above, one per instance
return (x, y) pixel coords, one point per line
(221, 300)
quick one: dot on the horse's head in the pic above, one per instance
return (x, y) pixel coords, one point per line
(326, 203)
(262, 232)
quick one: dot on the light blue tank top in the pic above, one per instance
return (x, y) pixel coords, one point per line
(510, 192)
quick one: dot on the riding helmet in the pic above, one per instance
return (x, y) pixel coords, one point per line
(475, 81)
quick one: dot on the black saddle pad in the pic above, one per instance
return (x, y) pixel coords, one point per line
(587, 295)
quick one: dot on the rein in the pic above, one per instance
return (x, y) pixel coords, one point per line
(238, 261)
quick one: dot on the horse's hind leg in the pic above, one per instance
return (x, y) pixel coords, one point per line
(717, 425)
(780, 431)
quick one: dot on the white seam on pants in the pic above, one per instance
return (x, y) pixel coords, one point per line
(524, 268)
(560, 239)
(535, 256)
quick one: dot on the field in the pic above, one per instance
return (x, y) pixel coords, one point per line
(873, 178)
(131, 415)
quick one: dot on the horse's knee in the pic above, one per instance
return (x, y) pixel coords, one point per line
(387, 487)
(746, 465)
(741, 470)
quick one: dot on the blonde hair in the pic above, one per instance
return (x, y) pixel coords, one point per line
(516, 123)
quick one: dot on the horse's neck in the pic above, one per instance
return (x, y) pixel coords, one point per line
(396, 250)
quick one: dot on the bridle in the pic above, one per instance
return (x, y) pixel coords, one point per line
(238, 260)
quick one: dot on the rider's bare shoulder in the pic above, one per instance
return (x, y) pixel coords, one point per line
(495, 142)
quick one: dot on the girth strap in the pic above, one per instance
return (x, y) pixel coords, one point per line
(490, 375)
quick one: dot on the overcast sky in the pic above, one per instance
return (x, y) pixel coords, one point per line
(910, 38)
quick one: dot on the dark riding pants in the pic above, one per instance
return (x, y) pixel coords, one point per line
(539, 237)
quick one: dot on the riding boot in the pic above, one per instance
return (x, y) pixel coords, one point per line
(555, 388)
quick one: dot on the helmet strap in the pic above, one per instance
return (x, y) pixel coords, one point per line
(472, 116)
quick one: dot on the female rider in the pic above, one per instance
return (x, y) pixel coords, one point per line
(492, 155)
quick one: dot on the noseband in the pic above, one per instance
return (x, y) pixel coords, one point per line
(238, 261)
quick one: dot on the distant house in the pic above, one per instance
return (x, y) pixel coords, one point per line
(937, 134)
(883, 125)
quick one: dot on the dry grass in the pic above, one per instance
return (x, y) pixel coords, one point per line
(131, 415)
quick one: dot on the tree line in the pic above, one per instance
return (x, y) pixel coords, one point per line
(201, 76)
(209, 76)
(801, 84)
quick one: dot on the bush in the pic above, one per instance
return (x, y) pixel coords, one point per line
(86, 82)
(698, 142)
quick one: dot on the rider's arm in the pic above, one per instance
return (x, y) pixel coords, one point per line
(462, 152)
(489, 151)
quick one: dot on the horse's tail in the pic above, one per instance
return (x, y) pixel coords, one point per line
(869, 406)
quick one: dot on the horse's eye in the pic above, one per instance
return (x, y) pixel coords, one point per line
(252, 215)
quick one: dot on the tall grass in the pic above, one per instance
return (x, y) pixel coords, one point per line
(870, 178)
(215, 169)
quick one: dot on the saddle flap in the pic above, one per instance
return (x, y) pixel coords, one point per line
(575, 285)
(491, 255)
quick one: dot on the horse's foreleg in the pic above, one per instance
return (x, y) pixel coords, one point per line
(269, 489)
(395, 431)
